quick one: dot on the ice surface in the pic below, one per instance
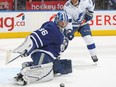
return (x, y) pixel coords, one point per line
(85, 72)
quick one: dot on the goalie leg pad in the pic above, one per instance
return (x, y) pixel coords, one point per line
(40, 73)
(62, 66)
(27, 64)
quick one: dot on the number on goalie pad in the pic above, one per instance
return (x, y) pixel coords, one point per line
(40, 73)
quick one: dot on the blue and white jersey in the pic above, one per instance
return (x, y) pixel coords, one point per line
(76, 13)
(48, 39)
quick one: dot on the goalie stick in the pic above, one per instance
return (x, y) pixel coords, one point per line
(13, 59)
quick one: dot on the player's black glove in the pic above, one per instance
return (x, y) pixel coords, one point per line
(24, 54)
(88, 15)
(68, 34)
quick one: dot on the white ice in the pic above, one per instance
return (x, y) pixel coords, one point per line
(85, 72)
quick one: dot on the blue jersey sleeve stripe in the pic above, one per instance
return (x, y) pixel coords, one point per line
(38, 38)
(35, 41)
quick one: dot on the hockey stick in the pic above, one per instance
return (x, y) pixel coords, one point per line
(8, 57)
(13, 59)
(83, 21)
(78, 27)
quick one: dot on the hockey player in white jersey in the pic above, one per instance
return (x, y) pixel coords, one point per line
(80, 11)
(44, 47)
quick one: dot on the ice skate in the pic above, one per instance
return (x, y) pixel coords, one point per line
(19, 79)
(94, 58)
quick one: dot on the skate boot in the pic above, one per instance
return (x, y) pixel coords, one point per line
(94, 58)
(19, 79)
(19, 75)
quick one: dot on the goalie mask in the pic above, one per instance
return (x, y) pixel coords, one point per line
(61, 19)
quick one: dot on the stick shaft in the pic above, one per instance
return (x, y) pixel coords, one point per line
(13, 59)
(78, 27)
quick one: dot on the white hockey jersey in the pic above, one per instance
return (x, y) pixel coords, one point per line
(76, 13)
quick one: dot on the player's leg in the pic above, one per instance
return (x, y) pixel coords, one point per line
(41, 69)
(59, 66)
(41, 57)
(87, 36)
(36, 73)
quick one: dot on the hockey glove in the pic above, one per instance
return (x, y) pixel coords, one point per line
(88, 15)
(24, 54)
(68, 34)
(64, 44)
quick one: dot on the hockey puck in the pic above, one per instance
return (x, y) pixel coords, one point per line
(62, 85)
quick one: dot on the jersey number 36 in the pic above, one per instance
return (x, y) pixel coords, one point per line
(43, 31)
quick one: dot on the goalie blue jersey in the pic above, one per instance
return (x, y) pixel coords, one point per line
(48, 39)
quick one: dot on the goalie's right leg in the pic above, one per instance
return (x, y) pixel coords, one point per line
(19, 79)
(40, 73)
